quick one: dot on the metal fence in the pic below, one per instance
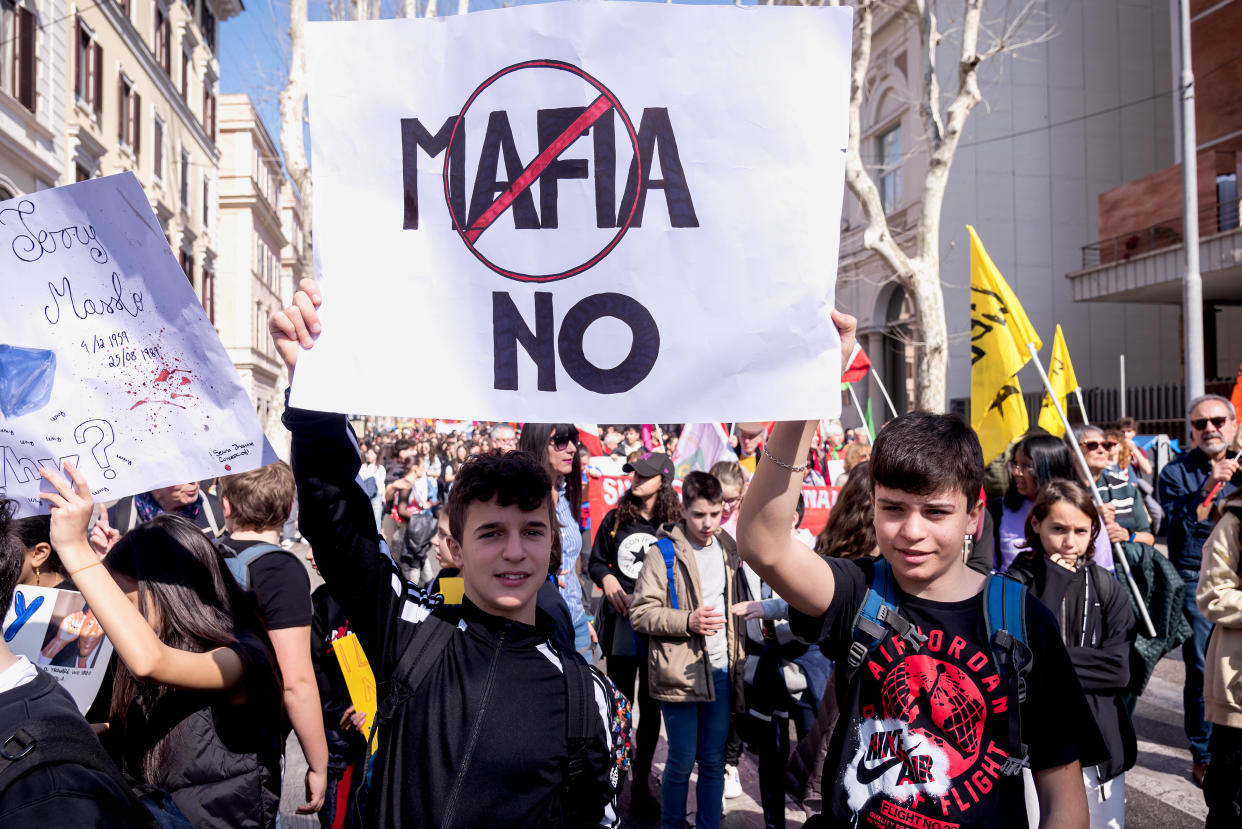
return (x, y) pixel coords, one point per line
(1159, 409)
(1213, 218)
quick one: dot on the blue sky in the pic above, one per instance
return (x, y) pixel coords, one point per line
(254, 48)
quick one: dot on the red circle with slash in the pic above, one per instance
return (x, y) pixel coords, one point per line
(606, 101)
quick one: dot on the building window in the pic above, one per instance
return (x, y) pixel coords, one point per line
(209, 110)
(18, 52)
(88, 71)
(206, 202)
(1226, 202)
(186, 63)
(129, 114)
(163, 39)
(207, 22)
(187, 265)
(82, 173)
(209, 294)
(185, 181)
(158, 140)
(888, 156)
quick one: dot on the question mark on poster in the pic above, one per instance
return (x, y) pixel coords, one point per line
(99, 450)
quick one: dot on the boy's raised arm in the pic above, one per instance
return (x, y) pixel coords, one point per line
(793, 570)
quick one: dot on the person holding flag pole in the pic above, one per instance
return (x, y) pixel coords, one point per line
(1002, 312)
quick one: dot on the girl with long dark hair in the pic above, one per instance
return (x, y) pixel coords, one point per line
(1097, 626)
(555, 445)
(1037, 461)
(621, 543)
(196, 703)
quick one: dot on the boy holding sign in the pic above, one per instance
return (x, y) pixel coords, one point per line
(482, 722)
(944, 696)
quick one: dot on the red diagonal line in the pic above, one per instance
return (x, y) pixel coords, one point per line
(532, 171)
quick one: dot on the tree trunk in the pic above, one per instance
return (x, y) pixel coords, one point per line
(292, 112)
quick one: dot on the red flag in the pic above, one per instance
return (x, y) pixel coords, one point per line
(588, 436)
(858, 369)
(1236, 397)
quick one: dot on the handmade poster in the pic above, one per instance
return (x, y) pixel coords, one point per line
(358, 677)
(595, 211)
(107, 358)
(56, 630)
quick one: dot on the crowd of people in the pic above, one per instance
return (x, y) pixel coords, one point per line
(960, 645)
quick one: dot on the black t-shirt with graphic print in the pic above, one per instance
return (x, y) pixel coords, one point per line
(922, 736)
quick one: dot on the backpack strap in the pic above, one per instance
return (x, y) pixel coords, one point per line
(431, 638)
(1004, 615)
(876, 617)
(61, 740)
(670, 555)
(239, 562)
(579, 702)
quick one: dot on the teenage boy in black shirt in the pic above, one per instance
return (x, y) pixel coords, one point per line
(481, 739)
(924, 736)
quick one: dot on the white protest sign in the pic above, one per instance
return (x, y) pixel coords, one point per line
(55, 630)
(579, 211)
(107, 359)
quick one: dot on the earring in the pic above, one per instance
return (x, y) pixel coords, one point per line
(36, 577)
(968, 544)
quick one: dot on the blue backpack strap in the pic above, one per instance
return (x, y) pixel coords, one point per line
(670, 555)
(239, 562)
(1004, 614)
(879, 614)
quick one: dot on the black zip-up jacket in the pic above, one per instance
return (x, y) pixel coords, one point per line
(482, 742)
(1098, 627)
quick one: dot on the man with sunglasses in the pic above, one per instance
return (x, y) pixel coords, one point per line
(1184, 487)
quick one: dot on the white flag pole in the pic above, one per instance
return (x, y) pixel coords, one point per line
(1119, 554)
(876, 377)
(861, 416)
(1081, 407)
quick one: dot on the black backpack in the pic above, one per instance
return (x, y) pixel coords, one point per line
(64, 740)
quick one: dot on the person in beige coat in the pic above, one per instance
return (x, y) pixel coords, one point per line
(1220, 601)
(696, 650)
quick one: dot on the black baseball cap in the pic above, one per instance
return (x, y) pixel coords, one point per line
(650, 464)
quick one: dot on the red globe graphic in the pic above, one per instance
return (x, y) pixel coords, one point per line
(939, 702)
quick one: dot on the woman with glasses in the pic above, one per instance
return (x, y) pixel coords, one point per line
(1037, 460)
(1124, 516)
(556, 445)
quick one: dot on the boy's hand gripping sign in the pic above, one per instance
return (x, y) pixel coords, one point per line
(579, 211)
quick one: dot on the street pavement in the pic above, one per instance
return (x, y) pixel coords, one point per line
(1159, 792)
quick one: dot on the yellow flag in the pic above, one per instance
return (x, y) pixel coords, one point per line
(999, 333)
(1063, 382)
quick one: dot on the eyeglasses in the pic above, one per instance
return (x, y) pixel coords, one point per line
(1021, 467)
(1092, 445)
(561, 442)
(733, 502)
(1200, 423)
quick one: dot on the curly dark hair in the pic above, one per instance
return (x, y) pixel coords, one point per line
(510, 478)
(850, 531)
(665, 510)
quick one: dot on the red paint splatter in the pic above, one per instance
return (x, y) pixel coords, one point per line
(185, 381)
(228, 468)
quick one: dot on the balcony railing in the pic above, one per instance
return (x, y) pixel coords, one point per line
(1213, 218)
